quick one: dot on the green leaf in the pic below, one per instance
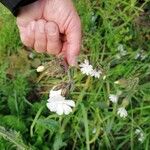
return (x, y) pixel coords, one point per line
(58, 142)
(13, 137)
(49, 124)
(13, 122)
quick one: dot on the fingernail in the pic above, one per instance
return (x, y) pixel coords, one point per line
(51, 31)
(73, 61)
(32, 26)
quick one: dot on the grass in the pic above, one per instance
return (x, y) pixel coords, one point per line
(26, 123)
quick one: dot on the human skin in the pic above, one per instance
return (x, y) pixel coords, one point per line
(51, 26)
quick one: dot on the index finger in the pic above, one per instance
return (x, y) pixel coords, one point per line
(73, 37)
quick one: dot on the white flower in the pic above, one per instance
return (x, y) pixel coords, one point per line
(96, 73)
(141, 138)
(40, 69)
(113, 98)
(57, 103)
(122, 112)
(86, 68)
(140, 135)
(121, 51)
(137, 131)
(53, 93)
(61, 106)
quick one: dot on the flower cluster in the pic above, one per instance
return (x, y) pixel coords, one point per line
(141, 55)
(122, 112)
(140, 135)
(113, 98)
(121, 51)
(57, 103)
(87, 69)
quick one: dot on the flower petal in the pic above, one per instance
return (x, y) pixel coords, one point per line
(113, 98)
(53, 93)
(70, 103)
(59, 110)
(56, 98)
(51, 106)
(67, 109)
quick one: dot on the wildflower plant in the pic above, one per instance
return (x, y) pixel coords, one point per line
(140, 135)
(122, 112)
(44, 104)
(57, 103)
(87, 69)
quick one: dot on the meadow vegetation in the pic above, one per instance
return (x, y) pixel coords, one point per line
(116, 39)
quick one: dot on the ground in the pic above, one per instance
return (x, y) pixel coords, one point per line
(116, 40)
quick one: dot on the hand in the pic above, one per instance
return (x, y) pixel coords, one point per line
(52, 26)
